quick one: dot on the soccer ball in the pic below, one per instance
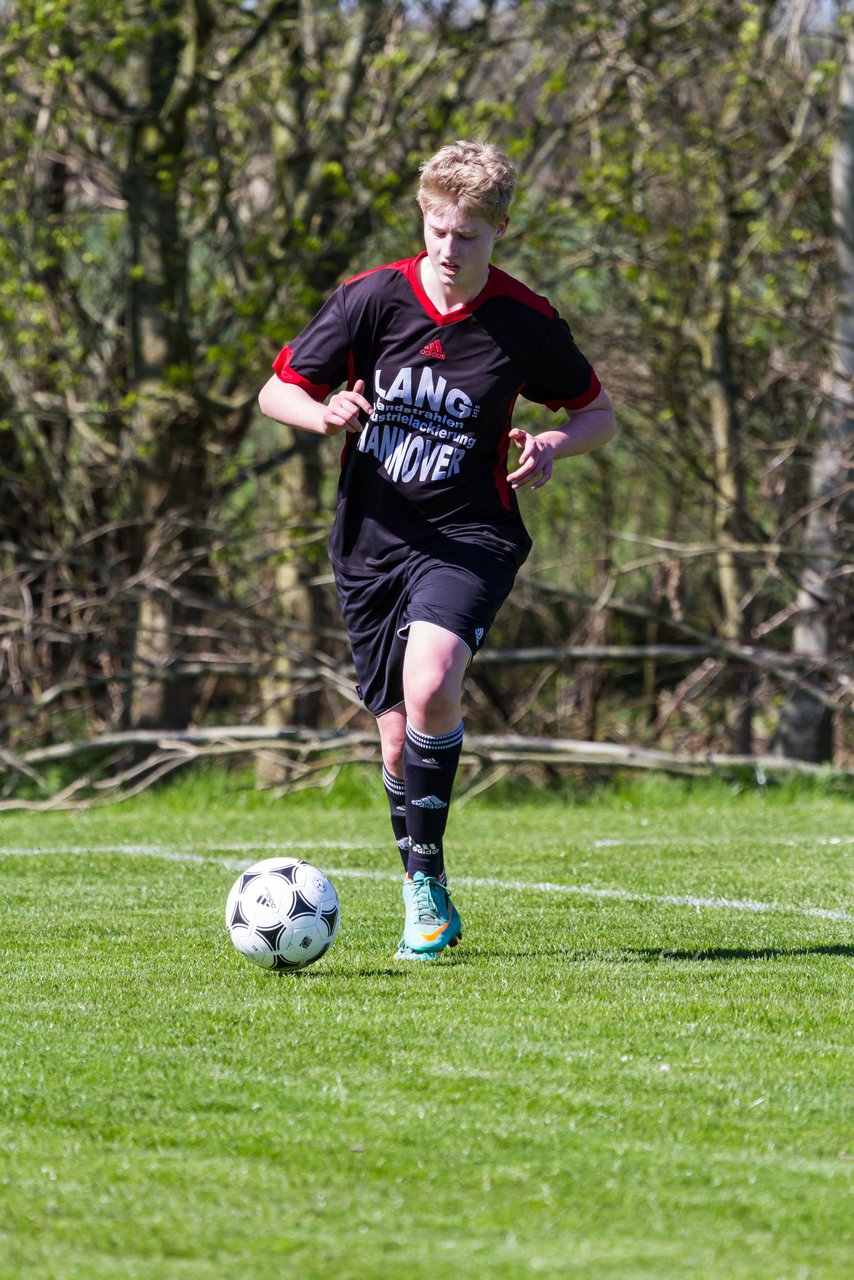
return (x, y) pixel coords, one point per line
(282, 913)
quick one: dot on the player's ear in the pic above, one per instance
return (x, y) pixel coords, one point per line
(502, 227)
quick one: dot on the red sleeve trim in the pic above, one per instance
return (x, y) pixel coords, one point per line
(580, 402)
(284, 371)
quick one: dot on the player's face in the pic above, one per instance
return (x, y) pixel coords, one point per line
(459, 247)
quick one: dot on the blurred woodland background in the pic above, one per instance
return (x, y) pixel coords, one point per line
(181, 184)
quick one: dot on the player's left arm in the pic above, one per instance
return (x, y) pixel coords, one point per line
(584, 429)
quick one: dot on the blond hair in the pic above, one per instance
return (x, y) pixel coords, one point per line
(475, 176)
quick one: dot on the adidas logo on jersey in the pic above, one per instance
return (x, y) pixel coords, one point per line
(434, 350)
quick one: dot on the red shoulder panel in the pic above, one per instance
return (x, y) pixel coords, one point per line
(284, 371)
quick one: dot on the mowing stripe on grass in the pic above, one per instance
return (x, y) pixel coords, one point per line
(285, 847)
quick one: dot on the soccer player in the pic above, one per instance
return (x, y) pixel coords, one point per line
(433, 352)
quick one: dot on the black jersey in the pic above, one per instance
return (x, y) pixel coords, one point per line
(431, 461)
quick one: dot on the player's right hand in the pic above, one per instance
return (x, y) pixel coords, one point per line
(341, 413)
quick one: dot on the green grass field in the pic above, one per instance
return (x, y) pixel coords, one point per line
(640, 1062)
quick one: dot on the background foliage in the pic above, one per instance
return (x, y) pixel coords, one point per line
(180, 186)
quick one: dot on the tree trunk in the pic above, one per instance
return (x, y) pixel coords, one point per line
(826, 608)
(713, 340)
(301, 604)
(168, 433)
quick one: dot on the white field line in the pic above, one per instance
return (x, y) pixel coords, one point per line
(603, 892)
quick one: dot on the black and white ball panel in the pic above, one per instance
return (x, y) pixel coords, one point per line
(282, 913)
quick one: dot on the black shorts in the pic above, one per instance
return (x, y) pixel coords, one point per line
(462, 592)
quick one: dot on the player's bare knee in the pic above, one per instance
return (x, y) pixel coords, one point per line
(392, 731)
(393, 760)
(433, 707)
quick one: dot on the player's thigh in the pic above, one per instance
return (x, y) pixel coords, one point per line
(434, 664)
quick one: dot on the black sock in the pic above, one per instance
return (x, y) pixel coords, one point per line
(429, 767)
(396, 793)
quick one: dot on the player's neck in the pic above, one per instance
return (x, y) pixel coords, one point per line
(447, 299)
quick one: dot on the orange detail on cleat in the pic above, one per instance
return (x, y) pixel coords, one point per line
(431, 937)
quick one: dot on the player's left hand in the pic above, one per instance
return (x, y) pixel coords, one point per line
(535, 461)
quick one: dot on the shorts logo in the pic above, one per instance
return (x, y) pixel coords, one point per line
(429, 802)
(478, 635)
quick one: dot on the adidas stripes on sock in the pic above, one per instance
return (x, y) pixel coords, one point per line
(396, 794)
(429, 768)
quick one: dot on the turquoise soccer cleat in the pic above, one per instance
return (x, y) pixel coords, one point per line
(406, 953)
(432, 921)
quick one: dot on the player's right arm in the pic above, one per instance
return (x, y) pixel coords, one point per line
(291, 404)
